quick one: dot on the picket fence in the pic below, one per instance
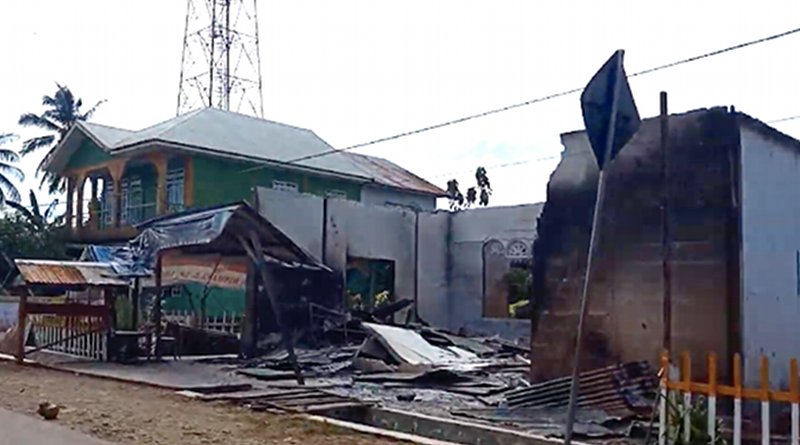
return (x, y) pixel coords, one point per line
(80, 336)
(712, 390)
(225, 322)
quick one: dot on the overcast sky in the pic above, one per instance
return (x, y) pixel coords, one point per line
(356, 70)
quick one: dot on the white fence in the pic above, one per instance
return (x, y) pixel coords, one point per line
(79, 336)
(226, 322)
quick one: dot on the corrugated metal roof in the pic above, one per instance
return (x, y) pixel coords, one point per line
(620, 389)
(106, 135)
(226, 133)
(67, 273)
(392, 175)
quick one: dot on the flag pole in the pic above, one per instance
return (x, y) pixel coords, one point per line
(598, 208)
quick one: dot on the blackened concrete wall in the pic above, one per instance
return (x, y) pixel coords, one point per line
(626, 305)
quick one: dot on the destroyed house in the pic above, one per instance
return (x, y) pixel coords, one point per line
(118, 178)
(731, 190)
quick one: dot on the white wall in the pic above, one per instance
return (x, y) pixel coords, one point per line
(381, 196)
(469, 230)
(447, 278)
(299, 216)
(771, 242)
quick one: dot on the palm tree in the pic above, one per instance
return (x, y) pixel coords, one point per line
(9, 191)
(61, 113)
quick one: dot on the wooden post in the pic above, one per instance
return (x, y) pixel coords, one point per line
(662, 414)
(686, 378)
(94, 207)
(157, 306)
(794, 389)
(70, 202)
(666, 239)
(764, 400)
(22, 315)
(249, 327)
(79, 183)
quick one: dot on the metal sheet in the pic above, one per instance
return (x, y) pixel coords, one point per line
(68, 273)
(409, 347)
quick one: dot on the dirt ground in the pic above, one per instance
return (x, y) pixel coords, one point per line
(133, 414)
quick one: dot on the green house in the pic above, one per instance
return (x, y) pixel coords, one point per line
(118, 178)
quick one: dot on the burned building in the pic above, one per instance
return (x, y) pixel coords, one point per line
(725, 187)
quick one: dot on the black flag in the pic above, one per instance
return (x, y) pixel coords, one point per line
(607, 98)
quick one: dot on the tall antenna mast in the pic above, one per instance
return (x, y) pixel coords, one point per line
(220, 64)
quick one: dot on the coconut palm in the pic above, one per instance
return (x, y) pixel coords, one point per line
(62, 111)
(9, 171)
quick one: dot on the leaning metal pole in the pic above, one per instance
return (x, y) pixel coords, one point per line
(598, 209)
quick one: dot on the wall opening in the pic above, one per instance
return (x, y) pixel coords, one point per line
(370, 283)
(507, 279)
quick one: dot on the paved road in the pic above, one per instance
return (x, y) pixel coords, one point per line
(18, 429)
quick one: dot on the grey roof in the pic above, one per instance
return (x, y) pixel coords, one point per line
(105, 135)
(231, 134)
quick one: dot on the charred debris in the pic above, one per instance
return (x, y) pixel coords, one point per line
(376, 360)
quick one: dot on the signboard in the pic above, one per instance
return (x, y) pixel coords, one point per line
(217, 271)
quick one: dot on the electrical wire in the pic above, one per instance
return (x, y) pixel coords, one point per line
(536, 100)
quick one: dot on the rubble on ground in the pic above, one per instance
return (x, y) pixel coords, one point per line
(363, 357)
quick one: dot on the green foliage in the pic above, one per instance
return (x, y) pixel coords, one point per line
(28, 233)
(62, 111)
(479, 193)
(678, 411)
(9, 171)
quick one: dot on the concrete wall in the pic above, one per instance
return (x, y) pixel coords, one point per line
(771, 254)
(626, 304)
(447, 277)
(298, 215)
(469, 231)
(375, 232)
(381, 196)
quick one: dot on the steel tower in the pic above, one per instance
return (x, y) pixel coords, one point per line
(221, 65)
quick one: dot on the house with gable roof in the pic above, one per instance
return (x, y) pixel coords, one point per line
(118, 178)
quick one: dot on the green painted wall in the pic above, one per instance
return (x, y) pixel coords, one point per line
(218, 181)
(219, 300)
(86, 155)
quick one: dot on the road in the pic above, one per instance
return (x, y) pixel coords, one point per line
(21, 429)
(124, 413)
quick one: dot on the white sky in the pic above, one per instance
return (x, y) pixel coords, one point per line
(356, 70)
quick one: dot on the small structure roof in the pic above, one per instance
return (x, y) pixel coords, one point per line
(67, 273)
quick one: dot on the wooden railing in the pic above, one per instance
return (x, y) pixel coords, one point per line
(711, 389)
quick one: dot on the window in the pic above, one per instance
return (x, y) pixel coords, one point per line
(338, 194)
(175, 180)
(132, 201)
(507, 281)
(369, 283)
(285, 186)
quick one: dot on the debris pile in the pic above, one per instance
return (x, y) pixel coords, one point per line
(365, 357)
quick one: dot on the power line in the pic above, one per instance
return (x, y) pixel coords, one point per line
(537, 100)
(784, 119)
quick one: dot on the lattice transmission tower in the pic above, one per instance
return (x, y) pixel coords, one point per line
(221, 65)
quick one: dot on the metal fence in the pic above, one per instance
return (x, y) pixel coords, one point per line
(224, 322)
(80, 336)
(711, 390)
